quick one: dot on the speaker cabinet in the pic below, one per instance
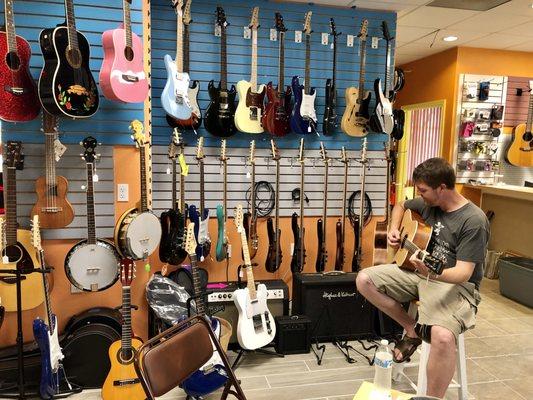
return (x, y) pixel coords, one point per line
(293, 334)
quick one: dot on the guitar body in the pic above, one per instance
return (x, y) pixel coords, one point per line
(274, 241)
(219, 117)
(329, 124)
(355, 118)
(50, 357)
(322, 255)
(303, 115)
(297, 262)
(355, 262)
(137, 234)
(520, 152)
(383, 117)
(339, 256)
(195, 120)
(122, 381)
(18, 95)
(175, 95)
(250, 108)
(59, 213)
(414, 229)
(221, 252)
(382, 253)
(255, 327)
(24, 260)
(171, 248)
(277, 111)
(122, 76)
(66, 85)
(250, 226)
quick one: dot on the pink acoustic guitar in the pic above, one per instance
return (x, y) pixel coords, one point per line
(122, 77)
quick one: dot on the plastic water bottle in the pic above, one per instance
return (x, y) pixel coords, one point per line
(383, 372)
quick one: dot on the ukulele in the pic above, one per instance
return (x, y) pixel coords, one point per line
(122, 381)
(220, 114)
(303, 116)
(298, 256)
(66, 85)
(52, 206)
(122, 76)
(322, 254)
(356, 115)
(520, 152)
(340, 227)
(18, 97)
(274, 256)
(222, 241)
(278, 108)
(358, 254)
(329, 124)
(250, 218)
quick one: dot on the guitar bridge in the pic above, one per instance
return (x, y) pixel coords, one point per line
(125, 382)
(51, 209)
(17, 91)
(254, 114)
(130, 78)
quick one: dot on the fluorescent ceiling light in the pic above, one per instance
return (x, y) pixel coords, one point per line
(450, 38)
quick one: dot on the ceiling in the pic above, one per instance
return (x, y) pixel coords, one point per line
(421, 28)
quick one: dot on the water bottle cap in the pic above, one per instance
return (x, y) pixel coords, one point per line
(384, 342)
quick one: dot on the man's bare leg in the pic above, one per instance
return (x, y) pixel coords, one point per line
(442, 360)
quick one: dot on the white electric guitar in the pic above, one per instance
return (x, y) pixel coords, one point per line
(203, 231)
(256, 327)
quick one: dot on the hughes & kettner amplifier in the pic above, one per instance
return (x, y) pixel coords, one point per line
(293, 334)
(220, 301)
(331, 301)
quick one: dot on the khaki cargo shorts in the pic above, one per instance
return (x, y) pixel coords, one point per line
(452, 306)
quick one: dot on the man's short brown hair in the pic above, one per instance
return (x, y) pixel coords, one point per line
(434, 172)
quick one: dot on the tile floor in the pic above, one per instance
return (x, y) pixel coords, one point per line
(499, 351)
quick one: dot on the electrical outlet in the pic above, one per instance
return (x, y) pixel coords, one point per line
(122, 192)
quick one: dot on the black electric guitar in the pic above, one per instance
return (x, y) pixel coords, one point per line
(66, 85)
(273, 260)
(330, 122)
(358, 254)
(298, 256)
(220, 114)
(250, 218)
(340, 227)
(322, 255)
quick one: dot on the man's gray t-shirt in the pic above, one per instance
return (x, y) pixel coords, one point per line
(462, 234)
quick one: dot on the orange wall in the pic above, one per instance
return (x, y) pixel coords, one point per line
(494, 62)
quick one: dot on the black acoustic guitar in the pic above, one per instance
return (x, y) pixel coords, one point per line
(220, 114)
(66, 85)
(330, 122)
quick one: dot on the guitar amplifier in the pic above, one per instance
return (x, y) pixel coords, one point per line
(293, 334)
(335, 307)
(220, 301)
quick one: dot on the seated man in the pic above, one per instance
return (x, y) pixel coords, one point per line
(448, 302)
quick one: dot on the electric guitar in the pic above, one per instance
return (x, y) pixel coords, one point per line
(52, 206)
(330, 123)
(340, 227)
(256, 327)
(250, 218)
(278, 108)
(220, 114)
(122, 381)
(45, 330)
(122, 76)
(251, 97)
(66, 85)
(358, 253)
(222, 241)
(356, 115)
(18, 98)
(298, 256)
(274, 255)
(520, 152)
(322, 254)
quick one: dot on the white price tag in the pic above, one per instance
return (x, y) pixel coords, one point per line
(168, 171)
(241, 274)
(375, 42)
(298, 36)
(218, 30)
(248, 175)
(5, 260)
(325, 38)
(229, 250)
(349, 40)
(273, 34)
(292, 249)
(247, 32)
(95, 178)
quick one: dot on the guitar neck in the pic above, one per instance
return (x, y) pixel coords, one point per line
(186, 45)
(179, 40)
(197, 287)
(307, 83)
(174, 183)
(223, 60)
(127, 22)
(47, 302)
(71, 24)
(182, 192)
(302, 197)
(10, 26)
(50, 166)
(281, 73)
(252, 194)
(277, 201)
(250, 282)
(11, 207)
(91, 226)
(387, 70)
(529, 122)
(144, 197)
(344, 196)
(126, 317)
(202, 196)
(387, 194)
(361, 212)
(325, 207)
(253, 79)
(334, 59)
(362, 71)
(225, 189)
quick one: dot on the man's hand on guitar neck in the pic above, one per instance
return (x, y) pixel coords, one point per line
(420, 266)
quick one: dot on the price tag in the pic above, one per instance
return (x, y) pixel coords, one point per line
(5, 260)
(241, 274)
(168, 170)
(229, 250)
(292, 249)
(59, 149)
(349, 40)
(375, 42)
(273, 34)
(248, 175)
(298, 36)
(325, 38)
(247, 32)
(95, 178)
(183, 165)
(218, 30)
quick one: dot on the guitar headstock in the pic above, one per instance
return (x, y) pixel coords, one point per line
(238, 218)
(187, 13)
(200, 148)
(35, 233)
(307, 23)
(364, 30)
(14, 157)
(190, 240)
(344, 158)
(137, 130)
(223, 156)
(89, 144)
(301, 151)
(323, 152)
(280, 26)
(385, 30)
(127, 271)
(251, 158)
(221, 17)
(333, 29)
(177, 5)
(254, 22)
(176, 144)
(363, 151)
(275, 150)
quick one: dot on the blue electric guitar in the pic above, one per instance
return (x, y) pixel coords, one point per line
(222, 241)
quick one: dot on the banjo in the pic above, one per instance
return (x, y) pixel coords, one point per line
(92, 264)
(138, 230)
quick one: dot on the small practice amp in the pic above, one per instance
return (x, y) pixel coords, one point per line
(293, 334)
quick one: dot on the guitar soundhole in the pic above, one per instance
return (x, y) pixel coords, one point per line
(13, 253)
(128, 53)
(528, 136)
(13, 60)
(125, 356)
(73, 57)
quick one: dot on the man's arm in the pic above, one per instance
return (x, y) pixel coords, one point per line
(397, 215)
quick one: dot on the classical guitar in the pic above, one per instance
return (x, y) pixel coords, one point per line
(278, 108)
(220, 114)
(298, 256)
(330, 123)
(138, 230)
(52, 206)
(122, 381)
(322, 253)
(17, 252)
(358, 253)
(340, 226)
(18, 98)
(520, 152)
(303, 116)
(222, 209)
(122, 76)
(256, 327)
(274, 256)
(174, 220)
(92, 264)
(250, 218)
(355, 118)
(45, 329)
(66, 85)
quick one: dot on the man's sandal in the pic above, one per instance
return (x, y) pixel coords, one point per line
(406, 346)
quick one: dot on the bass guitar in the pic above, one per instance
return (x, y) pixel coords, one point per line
(298, 256)
(45, 330)
(222, 241)
(274, 256)
(122, 381)
(359, 225)
(66, 85)
(330, 123)
(18, 98)
(303, 116)
(256, 327)
(322, 254)
(278, 108)
(122, 76)
(520, 152)
(356, 115)
(52, 206)
(92, 264)
(17, 250)
(250, 218)
(340, 227)
(251, 97)
(220, 114)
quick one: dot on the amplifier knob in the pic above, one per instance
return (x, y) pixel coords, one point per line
(229, 296)
(220, 296)
(224, 295)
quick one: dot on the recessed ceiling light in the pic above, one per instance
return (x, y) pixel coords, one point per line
(450, 38)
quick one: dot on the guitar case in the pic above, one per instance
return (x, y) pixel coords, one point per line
(183, 277)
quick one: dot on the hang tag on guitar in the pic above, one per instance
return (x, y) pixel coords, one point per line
(218, 30)
(247, 32)
(59, 149)
(5, 260)
(183, 165)
(325, 38)
(292, 249)
(248, 175)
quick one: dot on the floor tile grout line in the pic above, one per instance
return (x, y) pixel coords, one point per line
(519, 395)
